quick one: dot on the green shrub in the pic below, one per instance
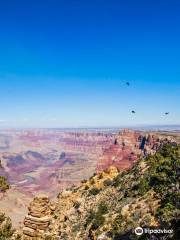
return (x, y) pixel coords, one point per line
(143, 186)
(96, 219)
(2, 217)
(107, 182)
(117, 181)
(94, 191)
(90, 218)
(162, 176)
(102, 208)
(76, 205)
(92, 181)
(101, 175)
(83, 181)
(117, 226)
(3, 184)
(86, 187)
(6, 230)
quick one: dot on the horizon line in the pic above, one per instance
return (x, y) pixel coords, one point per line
(95, 127)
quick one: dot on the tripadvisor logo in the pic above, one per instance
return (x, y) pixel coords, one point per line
(139, 231)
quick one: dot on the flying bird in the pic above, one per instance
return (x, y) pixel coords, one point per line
(127, 83)
(133, 111)
(166, 113)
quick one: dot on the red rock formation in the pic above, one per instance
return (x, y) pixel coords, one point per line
(128, 147)
(122, 153)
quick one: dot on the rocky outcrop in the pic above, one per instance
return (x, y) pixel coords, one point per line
(38, 218)
(130, 145)
(111, 204)
(122, 153)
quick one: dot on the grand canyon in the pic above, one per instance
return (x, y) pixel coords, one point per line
(48, 161)
(45, 161)
(89, 120)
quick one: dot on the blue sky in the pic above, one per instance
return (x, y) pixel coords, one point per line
(66, 63)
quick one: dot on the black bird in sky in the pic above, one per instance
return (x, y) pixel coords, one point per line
(133, 111)
(127, 83)
(166, 113)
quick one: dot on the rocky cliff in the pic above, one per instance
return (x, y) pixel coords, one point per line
(128, 146)
(38, 219)
(111, 204)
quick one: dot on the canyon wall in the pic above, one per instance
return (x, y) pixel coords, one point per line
(128, 146)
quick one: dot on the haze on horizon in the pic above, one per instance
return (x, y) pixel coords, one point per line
(66, 63)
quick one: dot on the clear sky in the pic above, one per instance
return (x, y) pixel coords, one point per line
(65, 63)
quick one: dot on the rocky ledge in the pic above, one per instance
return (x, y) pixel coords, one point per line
(38, 218)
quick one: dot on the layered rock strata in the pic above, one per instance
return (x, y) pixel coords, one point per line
(130, 145)
(38, 218)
